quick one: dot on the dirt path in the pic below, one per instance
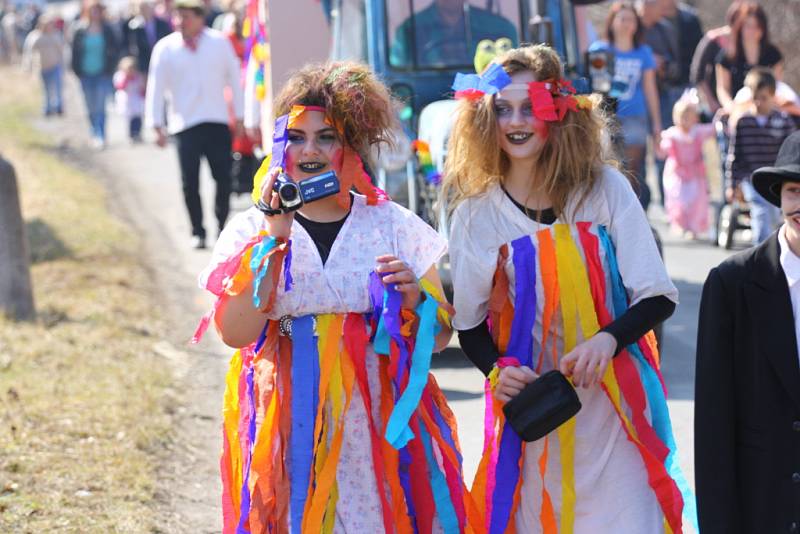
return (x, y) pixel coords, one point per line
(144, 186)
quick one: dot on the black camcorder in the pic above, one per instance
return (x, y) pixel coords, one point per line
(293, 195)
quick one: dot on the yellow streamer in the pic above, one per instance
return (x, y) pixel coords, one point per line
(566, 441)
(494, 376)
(330, 511)
(230, 414)
(258, 178)
(576, 307)
(432, 290)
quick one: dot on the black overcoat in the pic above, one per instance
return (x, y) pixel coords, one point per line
(747, 398)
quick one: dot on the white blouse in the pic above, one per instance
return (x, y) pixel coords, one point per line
(481, 225)
(342, 284)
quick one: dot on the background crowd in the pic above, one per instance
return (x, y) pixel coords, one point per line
(672, 81)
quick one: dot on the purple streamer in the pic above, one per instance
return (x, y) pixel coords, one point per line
(386, 302)
(404, 458)
(280, 136)
(520, 345)
(376, 290)
(244, 516)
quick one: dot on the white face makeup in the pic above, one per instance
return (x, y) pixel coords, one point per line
(313, 146)
(520, 134)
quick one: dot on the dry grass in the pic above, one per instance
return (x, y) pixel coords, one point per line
(84, 400)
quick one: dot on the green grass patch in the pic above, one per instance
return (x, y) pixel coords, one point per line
(85, 401)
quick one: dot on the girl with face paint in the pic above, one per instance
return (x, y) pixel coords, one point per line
(332, 423)
(554, 267)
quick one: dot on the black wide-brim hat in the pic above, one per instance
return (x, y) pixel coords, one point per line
(769, 180)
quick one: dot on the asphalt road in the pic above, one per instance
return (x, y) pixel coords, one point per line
(145, 187)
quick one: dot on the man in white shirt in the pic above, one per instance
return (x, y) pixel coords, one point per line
(191, 68)
(747, 389)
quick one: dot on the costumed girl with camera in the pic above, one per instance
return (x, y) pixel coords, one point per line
(555, 269)
(332, 422)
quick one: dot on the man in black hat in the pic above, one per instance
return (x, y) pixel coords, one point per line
(747, 389)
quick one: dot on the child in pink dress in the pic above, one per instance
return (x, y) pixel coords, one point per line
(685, 183)
(129, 85)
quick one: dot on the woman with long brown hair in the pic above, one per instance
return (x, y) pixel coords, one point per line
(635, 91)
(95, 52)
(751, 48)
(554, 268)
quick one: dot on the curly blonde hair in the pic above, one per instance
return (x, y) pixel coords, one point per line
(357, 103)
(569, 161)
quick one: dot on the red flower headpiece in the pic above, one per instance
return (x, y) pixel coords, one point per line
(551, 99)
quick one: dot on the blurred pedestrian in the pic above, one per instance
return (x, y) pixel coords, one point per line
(245, 163)
(752, 48)
(44, 47)
(747, 385)
(191, 69)
(685, 180)
(165, 9)
(229, 8)
(703, 69)
(94, 58)
(756, 136)
(129, 84)
(687, 32)
(145, 31)
(8, 23)
(212, 12)
(635, 89)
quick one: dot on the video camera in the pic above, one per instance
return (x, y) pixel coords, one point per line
(294, 195)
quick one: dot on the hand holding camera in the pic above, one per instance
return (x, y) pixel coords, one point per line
(279, 224)
(280, 195)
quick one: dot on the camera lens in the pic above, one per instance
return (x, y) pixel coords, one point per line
(288, 193)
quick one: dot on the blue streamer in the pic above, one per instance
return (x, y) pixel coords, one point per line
(656, 399)
(287, 270)
(398, 432)
(441, 492)
(491, 82)
(259, 271)
(305, 392)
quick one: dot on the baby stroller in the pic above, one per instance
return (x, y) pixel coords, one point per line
(729, 216)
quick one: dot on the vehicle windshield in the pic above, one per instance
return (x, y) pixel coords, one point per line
(444, 34)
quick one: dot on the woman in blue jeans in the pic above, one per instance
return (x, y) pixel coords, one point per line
(44, 46)
(94, 57)
(634, 89)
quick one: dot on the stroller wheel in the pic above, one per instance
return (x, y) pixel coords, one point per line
(727, 226)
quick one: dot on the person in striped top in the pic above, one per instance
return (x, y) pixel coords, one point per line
(756, 138)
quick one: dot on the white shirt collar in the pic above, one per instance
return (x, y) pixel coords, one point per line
(789, 261)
